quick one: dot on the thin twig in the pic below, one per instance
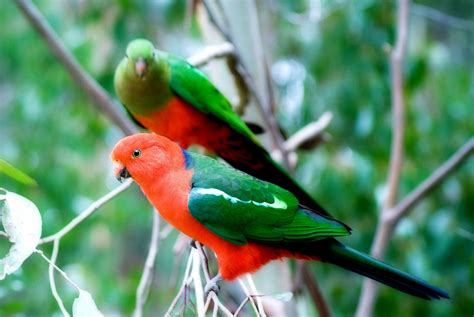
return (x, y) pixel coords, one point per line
(221, 306)
(383, 232)
(249, 296)
(147, 275)
(315, 291)
(87, 213)
(255, 294)
(266, 114)
(97, 94)
(204, 260)
(308, 132)
(241, 306)
(442, 18)
(52, 282)
(63, 274)
(187, 274)
(211, 52)
(404, 206)
(198, 288)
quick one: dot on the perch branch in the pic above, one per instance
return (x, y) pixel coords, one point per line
(267, 116)
(404, 206)
(87, 213)
(315, 292)
(95, 92)
(308, 132)
(52, 282)
(211, 52)
(384, 228)
(442, 18)
(147, 275)
(250, 298)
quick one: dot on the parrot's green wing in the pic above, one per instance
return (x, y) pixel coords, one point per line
(239, 207)
(190, 84)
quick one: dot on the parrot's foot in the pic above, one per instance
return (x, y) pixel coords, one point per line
(212, 286)
(193, 244)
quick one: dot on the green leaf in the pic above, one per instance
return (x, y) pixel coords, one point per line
(11, 171)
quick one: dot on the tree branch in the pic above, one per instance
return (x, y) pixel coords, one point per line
(385, 228)
(267, 116)
(147, 275)
(95, 92)
(315, 292)
(211, 52)
(308, 132)
(407, 204)
(87, 213)
(442, 18)
(52, 282)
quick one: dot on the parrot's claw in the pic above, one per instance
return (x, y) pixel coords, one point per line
(212, 286)
(192, 243)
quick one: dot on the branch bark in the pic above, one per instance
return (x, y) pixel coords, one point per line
(459, 157)
(95, 92)
(211, 52)
(86, 213)
(147, 275)
(384, 227)
(267, 116)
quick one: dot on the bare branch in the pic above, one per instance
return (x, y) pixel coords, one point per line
(308, 132)
(398, 106)
(96, 93)
(186, 277)
(315, 292)
(403, 207)
(267, 116)
(255, 294)
(211, 52)
(250, 297)
(147, 275)
(198, 288)
(87, 213)
(442, 18)
(384, 228)
(52, 282)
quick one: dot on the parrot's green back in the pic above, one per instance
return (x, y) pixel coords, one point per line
(241, 208)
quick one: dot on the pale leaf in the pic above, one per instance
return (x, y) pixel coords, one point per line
(84, 306)
(22, 223)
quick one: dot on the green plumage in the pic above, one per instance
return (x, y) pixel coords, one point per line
(190, 84)
(240, 208)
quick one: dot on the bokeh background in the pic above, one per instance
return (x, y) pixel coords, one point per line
(323, 56)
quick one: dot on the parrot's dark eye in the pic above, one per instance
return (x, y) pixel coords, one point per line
(136, 153)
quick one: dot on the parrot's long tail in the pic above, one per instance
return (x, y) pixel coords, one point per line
(355, 261)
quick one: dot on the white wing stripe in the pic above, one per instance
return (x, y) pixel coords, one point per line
(277, 204)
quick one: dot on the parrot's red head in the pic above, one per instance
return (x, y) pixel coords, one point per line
(145, 154)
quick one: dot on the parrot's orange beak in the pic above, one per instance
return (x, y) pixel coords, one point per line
(141, 68)
(120, 171)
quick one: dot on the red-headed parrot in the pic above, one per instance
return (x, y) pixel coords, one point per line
(247, 222)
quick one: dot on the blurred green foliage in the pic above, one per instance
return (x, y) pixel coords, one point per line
(330, 57)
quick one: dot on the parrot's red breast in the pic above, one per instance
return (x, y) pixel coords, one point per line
(184, 124)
